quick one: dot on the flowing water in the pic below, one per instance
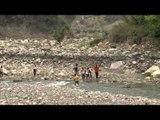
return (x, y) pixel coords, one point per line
(138, 89)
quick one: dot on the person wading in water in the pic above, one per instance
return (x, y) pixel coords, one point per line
(96, 70)
(76, 69)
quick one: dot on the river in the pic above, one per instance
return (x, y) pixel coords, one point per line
(138, 89)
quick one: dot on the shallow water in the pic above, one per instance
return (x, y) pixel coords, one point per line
(138, 89)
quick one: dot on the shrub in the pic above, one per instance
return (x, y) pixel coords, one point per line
(61, 32)
(124, 32)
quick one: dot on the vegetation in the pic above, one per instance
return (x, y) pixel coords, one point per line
(61, 32)
(135, 28)
(128, 33)
(22, 26)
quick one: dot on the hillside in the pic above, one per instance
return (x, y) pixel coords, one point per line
(31, 26)
(93, 26)
(43, 26)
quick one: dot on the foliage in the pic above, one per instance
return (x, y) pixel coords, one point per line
(126, 32)
(135, 28)
(153, 25)
(34, 25)
(61, 32)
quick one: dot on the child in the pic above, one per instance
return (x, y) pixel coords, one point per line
(76, 79)
(89, 73)
(83, 72)
(76, 69)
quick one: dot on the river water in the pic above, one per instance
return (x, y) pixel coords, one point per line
(138, 89)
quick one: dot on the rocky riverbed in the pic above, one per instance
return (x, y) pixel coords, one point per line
(55, 62)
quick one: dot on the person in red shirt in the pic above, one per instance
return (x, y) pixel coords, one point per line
(96, 70)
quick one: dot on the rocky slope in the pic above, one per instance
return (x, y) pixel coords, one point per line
(93, 25)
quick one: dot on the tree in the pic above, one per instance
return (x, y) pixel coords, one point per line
(61, 32)
(153, 25)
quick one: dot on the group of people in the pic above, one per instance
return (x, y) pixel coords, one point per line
(86, 74)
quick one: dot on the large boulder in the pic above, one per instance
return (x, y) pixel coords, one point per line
(156, 74)
(116, 65)
(151, 70)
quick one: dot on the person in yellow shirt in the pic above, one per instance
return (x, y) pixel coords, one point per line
(76, 79)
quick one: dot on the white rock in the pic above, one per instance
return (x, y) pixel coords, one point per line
(116, 65)
(134, 62)
(112, 49)
(152, 69)
(156, 74)
(148, 78)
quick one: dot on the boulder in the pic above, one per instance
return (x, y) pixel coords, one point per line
(116, 65)
(151, 70)
(156, 74)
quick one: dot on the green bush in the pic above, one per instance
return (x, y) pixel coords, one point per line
(153, 25)
(125, 31)
(61, 32)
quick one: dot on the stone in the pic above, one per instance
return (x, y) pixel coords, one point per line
(134, 62)
(116, 65)
(147, 78)
(38, 60)
(151, 69)
(46, 78)
(156, 74)
(112, 49)
(113, 45)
